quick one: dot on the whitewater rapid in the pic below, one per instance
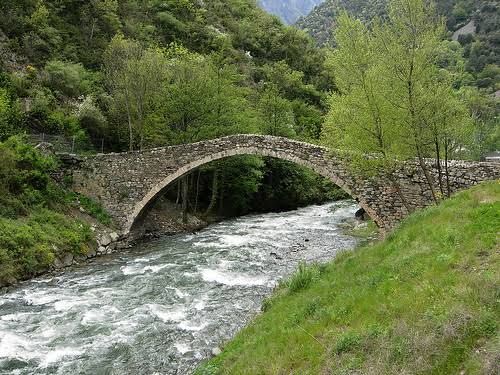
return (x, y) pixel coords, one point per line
(163, 307)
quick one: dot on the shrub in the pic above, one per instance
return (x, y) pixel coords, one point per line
(24, 177)
(90, 116)
(302, 278)
(10, 115)
(66, 78)
(347, 342)
(29, 245)
(93, 208)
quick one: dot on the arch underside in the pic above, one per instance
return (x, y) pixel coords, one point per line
(161, 186)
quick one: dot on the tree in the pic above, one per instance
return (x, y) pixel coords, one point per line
(10, 115)
(276, 112)
(135, 76)
(410, 41)
(203, 99)
(361, 120)
(484, 110)
(360, 117)
(393, 99)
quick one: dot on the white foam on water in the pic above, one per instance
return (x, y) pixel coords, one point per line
(187, 325)
(40, 297)
(232, 240)
(16, 346)
(136, 269)
(141, 260)
(99, 315)
(48, 333)
(41, 281)
(15, 317)
(166, 314)
(182, 347)
(65, 305)
(58, 354)
(231, 278)
(180, 293)
(200, 304)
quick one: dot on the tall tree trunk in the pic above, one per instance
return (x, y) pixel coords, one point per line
(185, 193)
(94, 21)
(423, 166)
(221, 194)
(438, 164)
(178, 199)
(129, 118)
(215, 189)
(447, 172)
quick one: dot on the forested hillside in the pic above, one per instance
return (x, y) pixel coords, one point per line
(120, 75)
(109, 75)
(481, 48)
(289, 10)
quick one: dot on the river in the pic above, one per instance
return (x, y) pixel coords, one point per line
(162, 307)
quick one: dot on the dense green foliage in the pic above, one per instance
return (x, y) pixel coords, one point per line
(401, 94)
(121, 75)
(480, 48)
(33, 228)
(424, 301)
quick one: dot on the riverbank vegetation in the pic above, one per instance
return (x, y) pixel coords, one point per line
(424, 300)
(36, 224)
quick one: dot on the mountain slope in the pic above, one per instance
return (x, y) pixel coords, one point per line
(289, 10)
(320, 23)
(478, 22)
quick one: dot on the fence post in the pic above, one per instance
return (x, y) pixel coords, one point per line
(102, 146)
(73, 145)
(43, 137)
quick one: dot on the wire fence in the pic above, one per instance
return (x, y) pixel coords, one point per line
(70, 145)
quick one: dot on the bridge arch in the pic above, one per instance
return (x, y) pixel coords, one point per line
(125, 183)
(141, 206)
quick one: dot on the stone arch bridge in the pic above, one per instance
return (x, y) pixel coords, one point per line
(126, 183)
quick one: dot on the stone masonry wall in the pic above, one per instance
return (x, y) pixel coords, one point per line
(126, 183)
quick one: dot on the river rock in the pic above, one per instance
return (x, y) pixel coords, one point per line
(101, 250)
(105, 239)
(361, 214)
(114, 236)
(80, 258)
(57, 263)
(67, 259)
(92, 253)
(216, 352)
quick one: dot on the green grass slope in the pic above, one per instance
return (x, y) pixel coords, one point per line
(423, 301)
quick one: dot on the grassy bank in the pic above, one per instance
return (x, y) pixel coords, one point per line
(423, 301)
